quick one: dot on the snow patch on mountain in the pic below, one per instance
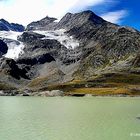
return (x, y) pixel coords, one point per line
(14, 50)
(68, 41)
(15, 47)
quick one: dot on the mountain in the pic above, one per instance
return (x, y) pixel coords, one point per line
(42, 24)
(6, 26)
(82, 53)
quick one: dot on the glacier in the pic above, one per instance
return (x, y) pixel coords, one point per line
(68, 41)
(15, 47)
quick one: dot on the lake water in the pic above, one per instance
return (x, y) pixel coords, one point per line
(69, 118)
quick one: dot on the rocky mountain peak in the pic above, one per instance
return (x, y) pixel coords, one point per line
(6, 26)
(49, 19)
(69, 21)
(3, 20)
(41, 24)
(78, 19)
(91, 16)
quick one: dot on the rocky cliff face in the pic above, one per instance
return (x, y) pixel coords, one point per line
(80, 46)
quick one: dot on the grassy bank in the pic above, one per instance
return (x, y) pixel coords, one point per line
(106, 84)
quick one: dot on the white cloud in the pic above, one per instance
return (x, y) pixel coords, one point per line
(115, 17)
(26, 11)
(58, 8)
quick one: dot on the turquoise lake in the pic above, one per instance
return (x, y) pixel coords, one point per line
(69, 118)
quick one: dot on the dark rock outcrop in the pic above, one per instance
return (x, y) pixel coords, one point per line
(3, 48)
(39, 59)
(10, 67)
(29, 37)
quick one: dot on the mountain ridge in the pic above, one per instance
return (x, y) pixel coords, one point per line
(6, 26)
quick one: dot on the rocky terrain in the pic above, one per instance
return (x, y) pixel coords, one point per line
(82, 53)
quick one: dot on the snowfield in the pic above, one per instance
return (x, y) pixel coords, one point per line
(14, 50)
(60, 36)
(15, 47)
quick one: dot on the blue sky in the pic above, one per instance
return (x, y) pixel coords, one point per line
(122, 12)
(131, 16)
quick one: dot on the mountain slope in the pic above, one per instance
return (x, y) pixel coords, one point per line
(80, 51)
(101, 44)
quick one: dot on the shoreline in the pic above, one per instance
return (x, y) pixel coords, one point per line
(58, 93)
